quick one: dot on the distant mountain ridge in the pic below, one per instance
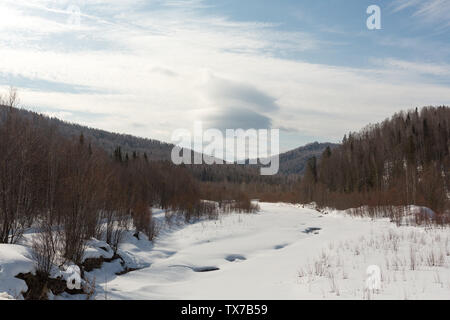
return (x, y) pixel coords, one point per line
(292, 162)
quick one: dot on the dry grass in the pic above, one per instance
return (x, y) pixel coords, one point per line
(414, 263)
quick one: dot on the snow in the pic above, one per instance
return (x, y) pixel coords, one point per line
(261, 256)
(5, 296)
(282, 252)
(14, 259)
(97, 249)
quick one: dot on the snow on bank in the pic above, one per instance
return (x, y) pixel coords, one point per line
(14, 259)
(246, 256)
(282, 252)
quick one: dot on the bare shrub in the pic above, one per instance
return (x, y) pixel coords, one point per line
(153, 231)
(115, 210)
(142, 219)
(413, 258)
(89, 287)
(334, 287)
(432, 259)
(46, 248)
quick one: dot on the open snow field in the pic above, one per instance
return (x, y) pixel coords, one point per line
(282, 252)
(276, 254)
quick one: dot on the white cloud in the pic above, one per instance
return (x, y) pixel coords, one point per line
(416, 67)
(430, 11)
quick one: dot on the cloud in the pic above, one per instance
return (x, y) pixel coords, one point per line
(38, 84)
(399, 5)
(429, 11)
(192, 4)
(164, 71)
(237, 118)
(236, 104)
(226, 92)
(416, 67)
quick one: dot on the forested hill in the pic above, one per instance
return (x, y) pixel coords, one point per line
(291, 162)
(108, 141)
(403, 160)
(294, 161)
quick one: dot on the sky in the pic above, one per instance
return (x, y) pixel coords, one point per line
(309, 68)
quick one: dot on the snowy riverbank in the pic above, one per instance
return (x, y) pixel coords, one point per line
(283, 252)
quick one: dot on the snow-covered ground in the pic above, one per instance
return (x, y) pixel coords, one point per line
(268, 255)
(14, 259)
(282, 252)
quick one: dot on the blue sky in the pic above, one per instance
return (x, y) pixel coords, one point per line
(310, 68)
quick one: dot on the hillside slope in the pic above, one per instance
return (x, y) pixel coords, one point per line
(155, 150)
(294, 161)
(291, 162)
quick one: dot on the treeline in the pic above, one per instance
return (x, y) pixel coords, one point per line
(401, 161)
(241, 182)
(235, 174)
(73, 190)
